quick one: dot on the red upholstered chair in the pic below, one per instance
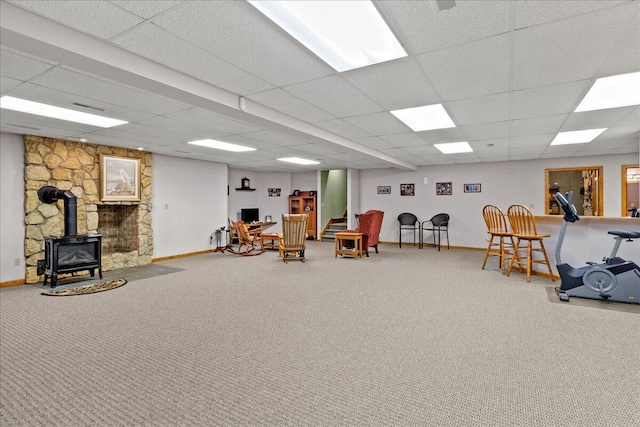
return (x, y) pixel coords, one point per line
(369, 224)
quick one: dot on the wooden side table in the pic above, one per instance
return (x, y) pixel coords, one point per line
(343, 236)
(274, 240)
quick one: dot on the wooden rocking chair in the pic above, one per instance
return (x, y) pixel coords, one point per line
(247, 239)
(294, 237)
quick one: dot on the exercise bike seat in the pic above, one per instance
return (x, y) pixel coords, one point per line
(626, 234)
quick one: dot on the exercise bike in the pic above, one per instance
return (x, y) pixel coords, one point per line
(614, 280)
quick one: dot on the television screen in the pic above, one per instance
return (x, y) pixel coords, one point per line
(250, 215)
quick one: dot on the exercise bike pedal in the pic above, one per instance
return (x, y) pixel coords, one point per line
(605, 296)
(591, 262)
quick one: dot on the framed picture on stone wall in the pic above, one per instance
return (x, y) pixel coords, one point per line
(119, 179)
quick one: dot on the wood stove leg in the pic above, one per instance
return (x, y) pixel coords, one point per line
(54, 279)
(100, 272)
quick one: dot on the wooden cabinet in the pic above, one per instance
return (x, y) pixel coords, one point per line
(554, 207)
(305, 202)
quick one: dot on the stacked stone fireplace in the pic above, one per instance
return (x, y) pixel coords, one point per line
(67, 165)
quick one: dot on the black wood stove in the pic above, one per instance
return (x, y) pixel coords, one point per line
(69, 253)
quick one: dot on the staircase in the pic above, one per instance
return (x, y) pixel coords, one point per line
(334, 227)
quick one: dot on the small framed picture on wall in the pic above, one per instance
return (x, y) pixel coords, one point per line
(472, 188)
(384, 189)
(407, 189)
(444, 188)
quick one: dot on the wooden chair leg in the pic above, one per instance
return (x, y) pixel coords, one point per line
(529, 259)
(486, 255)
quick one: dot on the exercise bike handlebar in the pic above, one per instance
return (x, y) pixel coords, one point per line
(570, 212)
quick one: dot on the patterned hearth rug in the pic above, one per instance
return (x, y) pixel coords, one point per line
(87, 289)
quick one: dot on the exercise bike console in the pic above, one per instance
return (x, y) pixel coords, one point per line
(614, 280)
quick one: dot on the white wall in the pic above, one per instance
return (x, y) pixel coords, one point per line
(262, 181)
(11, 207)
(189, 204)
(353, 197)
(503, 184)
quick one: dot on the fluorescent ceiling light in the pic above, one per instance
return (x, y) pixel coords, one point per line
(622, 90)
(427, 117)
(299, 161)
(212, 143)
(344, 34)
(577, 137)
(454, 147)
(39, 109)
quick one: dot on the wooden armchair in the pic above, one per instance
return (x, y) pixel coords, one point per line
(247, 239)
(369, 224)
(294, 237)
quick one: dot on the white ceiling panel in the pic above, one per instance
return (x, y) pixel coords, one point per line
(375, 143)
(335, 96)
(394, 85)
(282, 101)
(7, 83)
(21, 67)
(625, 56)
(596, 119)
(486, 131)
(215, 121)
(340, 127)
(531, 141)
(567, 50)
(403, 140)
(442, 135)
(76, 83)
(530, 13)
(97, 18)
(220, 27)
(549, 100)
(146, 9)
(423, 28)
(484, 109)
(193, 130)
(378, 124)
(160, 46)
(491, 145)
(275, 138)
(536, 125)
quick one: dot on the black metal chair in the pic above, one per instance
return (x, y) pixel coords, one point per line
(438, 223)
(408, 221)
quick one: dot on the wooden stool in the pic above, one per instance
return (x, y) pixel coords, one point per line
(271, 240)
(343, 236)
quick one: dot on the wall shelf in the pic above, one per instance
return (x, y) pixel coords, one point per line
(245, 189)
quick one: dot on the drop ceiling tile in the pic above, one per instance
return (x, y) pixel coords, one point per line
(625, 56)
(486, 131)
(374, 142)
(423, 150)
(632, 119)
(394, 84)
(530, 13)
(403, 140)
(335, 96)
(58, 98)
(536, 125)
(274, 138)
(154, 134)
(286, 103)
(567, 50)
(531, 141)
(146, 9)
(7, 83)
(378, 124)
(21, 67)
(156, 44)
(490, 145)
(9, 116)
(195, 131)
(484, 109)
(548, 100)
(608, 144)
(91, 87)
(266, 50)
(526, 152)
(484, 70)
(423, 28)
(620, 132)
(340, 127)
(208, 119)
(493, 154)
(101, 19)
(441, 135)
(314, 149)
(136, 138)
(554, 151)
(596, 119)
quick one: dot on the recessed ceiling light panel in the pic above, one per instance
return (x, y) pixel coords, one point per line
(45, 110)
(622, 90)
(344, 34)
(299, 161)
(427, 117)
(577, 137)
(454, 147)
(212, 143)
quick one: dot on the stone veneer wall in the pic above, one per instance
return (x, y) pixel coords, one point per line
(75, 166)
